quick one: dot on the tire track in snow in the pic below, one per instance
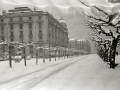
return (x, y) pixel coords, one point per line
(34, 81)
(7, 81)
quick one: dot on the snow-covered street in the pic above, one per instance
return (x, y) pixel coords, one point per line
(86, 72)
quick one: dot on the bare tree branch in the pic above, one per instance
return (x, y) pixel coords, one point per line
(95, 8)
(101, 10)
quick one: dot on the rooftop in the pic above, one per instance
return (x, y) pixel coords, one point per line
(20, 9)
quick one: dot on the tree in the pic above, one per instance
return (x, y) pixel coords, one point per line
(101, 26)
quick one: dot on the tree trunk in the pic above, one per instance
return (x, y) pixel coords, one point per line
(113, 54)
(36, 56)
(24, 57)
(10, 60)
(55, 55)
(44, 55)
(49, 55)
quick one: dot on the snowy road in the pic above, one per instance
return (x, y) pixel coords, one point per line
(33, 79)
(81, 73)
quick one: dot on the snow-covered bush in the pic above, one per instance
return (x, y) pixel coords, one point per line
(17, 58)
(28, 57)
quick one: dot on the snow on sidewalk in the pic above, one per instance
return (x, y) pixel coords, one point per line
(90, 73)
(18, 69)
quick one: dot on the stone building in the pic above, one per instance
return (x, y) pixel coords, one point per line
(81, 46)
(84, 45)
(25, 25)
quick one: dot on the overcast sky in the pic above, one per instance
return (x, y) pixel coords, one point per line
(70, 10)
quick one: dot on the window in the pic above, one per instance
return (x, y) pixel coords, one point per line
(21, 26)
(31, 49)
(2, 38)
(11, 26)
(21, 32)
(40, 26)
(30, 25)
(39, 17)
(11, 19)
(40, 31)
(2, 20)
(30, 18)
(40, 50)
(21, 40)
(2, 33)
(40, 37)
(30, 32)
(2, 28)
(11, 33)
(20, 19)
(12, 39)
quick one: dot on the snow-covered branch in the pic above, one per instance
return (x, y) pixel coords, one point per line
(95, 18)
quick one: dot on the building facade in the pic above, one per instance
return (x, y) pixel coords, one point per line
(84, 45)
(25, 26)
(81, 46)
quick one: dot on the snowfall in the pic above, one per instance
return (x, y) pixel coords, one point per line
(87, 72)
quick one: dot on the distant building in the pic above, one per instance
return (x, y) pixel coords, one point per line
(73, 43)
(81, 45)
(84, 45)
(25, 25)
(114, 1)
